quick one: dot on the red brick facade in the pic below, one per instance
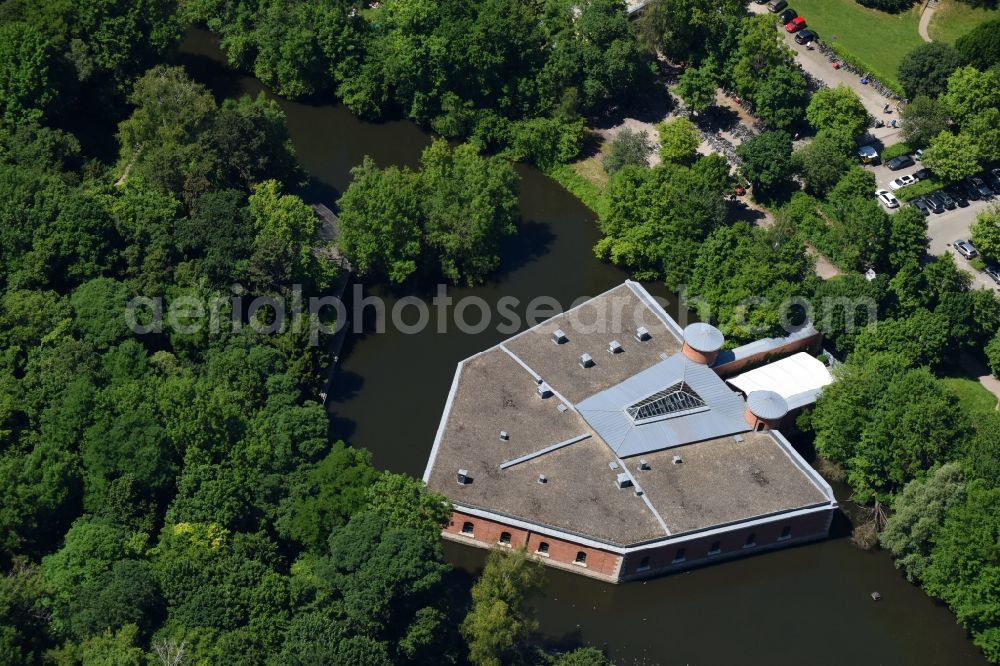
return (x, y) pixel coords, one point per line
(606, 565)
(812, 344)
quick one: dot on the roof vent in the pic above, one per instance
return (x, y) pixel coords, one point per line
(643, 465)
(642, 334)
(463, 477)
(638, 491)
(613, 465)
(614, 346)
(558, 336)
(677, 460)
(664, 355)
(738, 438)
(544, 391)
(623, 480)
(504, 435)
(586, 361)
(542, 479)
(562, 407)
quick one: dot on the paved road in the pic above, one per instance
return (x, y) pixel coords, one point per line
(945, 228)
(817, 65)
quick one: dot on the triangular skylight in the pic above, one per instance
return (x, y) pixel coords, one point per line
(672, 401)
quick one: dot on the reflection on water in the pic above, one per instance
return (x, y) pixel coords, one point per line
(804, 605)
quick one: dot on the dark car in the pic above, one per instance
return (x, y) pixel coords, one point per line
(994, 272)
(946, 199)
(957, 195)
(776, 6)
(922, 206)
(969, 190)
(901, 162)
(806, 36)
(934, 203)
(984, 190)
(922, 174)
(787, 15)
(992, 178)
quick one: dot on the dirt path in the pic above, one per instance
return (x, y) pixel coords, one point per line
(980, 373)
(925, 20)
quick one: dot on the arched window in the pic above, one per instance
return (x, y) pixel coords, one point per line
(581, 557)
(543, 548)
(468, 528)
(505, 538)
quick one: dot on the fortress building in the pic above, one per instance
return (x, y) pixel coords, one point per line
(607, 441)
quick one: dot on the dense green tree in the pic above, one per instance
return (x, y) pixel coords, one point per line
(838, 110)
(982, 459)
(951, 157)
(683, 29)
(405, 502)
(844, 305)
(766, 161)
(922, 337)
(856, 182)
(587, 656)
(980, 47)
(823, 161)
(986, 232)
(983, 131)
(926, 68)
(781, 97)
(697, 86)
(27, 86)
(99, 306)
(500, 623)
(658, 218)
(970, 92)
(907, 238)
(965, 565)
(748, 280)
(923, 119)
(627, 147)
(920, 510)
(860, 228)
(381, 221)
(679, 140)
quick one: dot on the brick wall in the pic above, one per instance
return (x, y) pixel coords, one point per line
(561, 553)
(812, 344)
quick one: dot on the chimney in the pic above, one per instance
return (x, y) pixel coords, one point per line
(765, 409)
(702, 343)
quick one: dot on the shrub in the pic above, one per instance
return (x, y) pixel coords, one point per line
(897, 150)
(628, 147)
(918, 189)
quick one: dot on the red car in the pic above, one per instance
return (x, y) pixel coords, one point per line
(795, 24)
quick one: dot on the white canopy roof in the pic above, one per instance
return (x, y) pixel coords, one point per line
(792, 376)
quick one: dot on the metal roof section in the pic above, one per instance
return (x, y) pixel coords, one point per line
(703, 337)
(767, 405)
(542, 452)
(720, 415)
(798, 376)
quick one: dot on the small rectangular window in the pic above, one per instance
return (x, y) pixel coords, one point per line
(543, 549)
(679, 556)
(715, 548)
(581, 558)
(751, 540)
(505, 538)
(643, 564)
(786, 533)
(468, 529)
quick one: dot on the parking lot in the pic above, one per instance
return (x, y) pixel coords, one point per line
(945, 228)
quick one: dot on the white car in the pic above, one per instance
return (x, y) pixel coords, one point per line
(902, 181)
(885, 196)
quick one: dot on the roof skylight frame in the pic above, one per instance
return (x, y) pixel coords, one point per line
(678, 399)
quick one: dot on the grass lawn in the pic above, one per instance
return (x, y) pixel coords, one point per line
(952, 19)
(971, 394)
(876, 38)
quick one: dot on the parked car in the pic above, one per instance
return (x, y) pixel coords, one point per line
(885, 196)
(901, 162)
(795, 24)
(957, 195)
(935, 204)
(946, 199)
(787, 15)
(868, 154)
(966, 249)
(992, 179)
(919, 155)
(806, 36)
(984, 190)
(902, 181)
(969, 190)
(920, 205)
(776, 6)
(922, 174)
(993, 271)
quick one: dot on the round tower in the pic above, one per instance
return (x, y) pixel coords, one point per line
(765, 409)
(702, 343)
